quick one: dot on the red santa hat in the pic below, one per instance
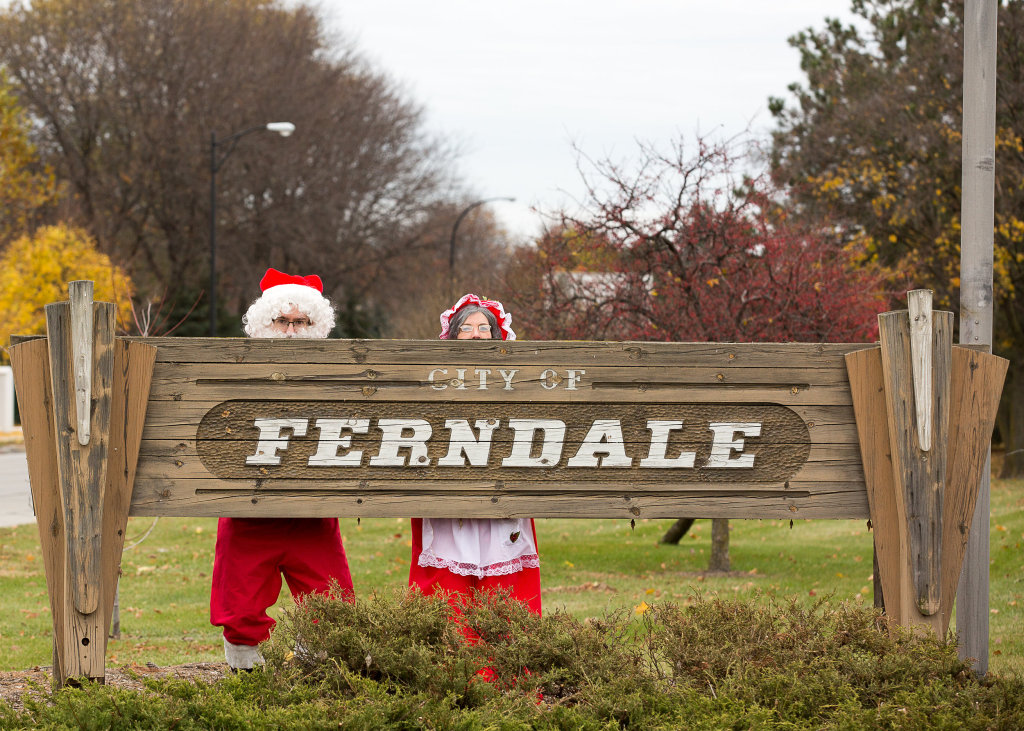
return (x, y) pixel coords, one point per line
(274, 278)
(496, 308)
(281, 293)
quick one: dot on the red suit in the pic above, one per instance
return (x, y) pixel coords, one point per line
(251, 556)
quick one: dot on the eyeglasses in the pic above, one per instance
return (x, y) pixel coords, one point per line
(298, 323)
(485, 328)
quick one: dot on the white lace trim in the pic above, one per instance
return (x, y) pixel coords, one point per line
(503, 568)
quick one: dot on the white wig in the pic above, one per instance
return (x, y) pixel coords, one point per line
(258, 321)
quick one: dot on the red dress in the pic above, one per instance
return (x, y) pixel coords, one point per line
(460, 571)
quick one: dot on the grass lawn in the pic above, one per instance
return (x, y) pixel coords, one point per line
(588, 566)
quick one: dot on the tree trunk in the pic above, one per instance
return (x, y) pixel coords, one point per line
(719, 545)
(1012, 428)
(679, 529)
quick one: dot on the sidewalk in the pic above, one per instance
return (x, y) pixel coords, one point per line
(15, 497)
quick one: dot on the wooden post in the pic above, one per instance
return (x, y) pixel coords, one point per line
(81, 469)
(977, 383)
(868, 385)
(31, 364)
(920, 475)
(977, 215)
(921, 500)
(133, 371)
(81, 491)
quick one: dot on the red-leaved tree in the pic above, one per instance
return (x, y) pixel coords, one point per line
(676, 249)
(680, 248)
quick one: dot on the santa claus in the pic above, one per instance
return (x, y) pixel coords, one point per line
(253, 554)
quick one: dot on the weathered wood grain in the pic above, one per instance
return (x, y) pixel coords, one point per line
(82, 472)
(755, 503)
(30, 361)
(975, 389)
(133, 367)
(868, 386)
(581, 382)
(525, 352)
(80, 296)
(920, 475)
(919, 305)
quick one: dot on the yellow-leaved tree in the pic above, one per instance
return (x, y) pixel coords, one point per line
(26, 187)
(35, 271)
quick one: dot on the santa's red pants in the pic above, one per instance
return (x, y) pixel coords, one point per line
(251, 556)
(523, 585)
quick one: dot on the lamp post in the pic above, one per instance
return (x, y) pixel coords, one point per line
(451, 244)
(282, 128)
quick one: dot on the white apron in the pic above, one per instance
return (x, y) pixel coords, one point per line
(479, 546)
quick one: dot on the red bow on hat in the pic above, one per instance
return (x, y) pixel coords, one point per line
(273, 278)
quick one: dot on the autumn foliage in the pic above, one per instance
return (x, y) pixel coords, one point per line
(874, 143)
(26, 186)
(35, 270)
(675, 250)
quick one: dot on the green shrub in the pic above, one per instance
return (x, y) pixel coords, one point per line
(404, 661)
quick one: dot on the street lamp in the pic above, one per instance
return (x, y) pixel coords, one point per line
(451, 244)
(282, 128)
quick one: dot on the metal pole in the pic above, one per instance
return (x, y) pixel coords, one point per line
(284, 129)
(976, 246)
(213, 234)
(451, 244)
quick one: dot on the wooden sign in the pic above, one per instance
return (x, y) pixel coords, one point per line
(479, 428)
(897, 433)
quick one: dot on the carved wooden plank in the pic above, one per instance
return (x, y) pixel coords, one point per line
(868, 386)
(30, 362)
(975, 389)
(133, 367)
(525, 352)
(919, 304)
(834, 505)
(82, 470)
(920, 476)
(446, 376)
(637, 393)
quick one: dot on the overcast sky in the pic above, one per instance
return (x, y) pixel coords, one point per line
(518, 83)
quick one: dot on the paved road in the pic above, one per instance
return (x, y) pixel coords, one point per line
(15, 498)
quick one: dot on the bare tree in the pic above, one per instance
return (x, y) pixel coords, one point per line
(126, 95)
